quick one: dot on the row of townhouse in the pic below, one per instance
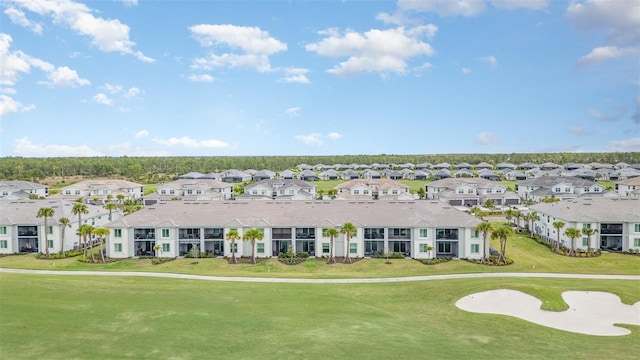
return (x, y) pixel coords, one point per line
(470, 192)
(617, 221)
(373, 189)
(191, 190)
(22, 231)
(559, 187)
(420, 229)
(20, 189)
(628, 187)
(101, 191)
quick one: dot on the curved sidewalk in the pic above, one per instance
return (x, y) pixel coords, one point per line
(324, 281)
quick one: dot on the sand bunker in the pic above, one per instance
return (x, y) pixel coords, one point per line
(590, 312)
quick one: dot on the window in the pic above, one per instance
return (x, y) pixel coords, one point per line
(366, 192)
(165, 233)
(163, 191)
(586, 189)
(291, 192)
(394, 192)
(198, 192)
(460, 191)
(105, 192)
(470, 191)
(254, 192)
(498, 191)
(353, 248)
(235, 247)
(77, 192)
(172, 192)
(567, 190)
(67, 192)
(117, 233)
(557, 189)
(636, 228)
(260, 247)
(424, 233)
(325, 248)
(596, 189)
(636, 242)
(356, 192)
(585, 242)
(189, 192)
(50, 244)
(117, 247)
(586, 226)
(424, 248)
(475, 233)
(385, 192)
(3, 230)
(488, 191)
(3, 244)
(166, 247)
(49, 230)
(475, 248)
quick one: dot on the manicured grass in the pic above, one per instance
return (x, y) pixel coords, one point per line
(528, 256)
(79, 317)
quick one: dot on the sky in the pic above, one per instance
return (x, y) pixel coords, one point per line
(249, 78)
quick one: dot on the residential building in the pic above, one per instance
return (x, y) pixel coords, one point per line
(263, 175)
(373, 189)
(102, 190)
(558, 187)
(279, 189)
(22, 231)
(236, 176)
(617, 221)
(20, 189)
(191, 190)
(628, 187)
(411, 228)
(470, 192)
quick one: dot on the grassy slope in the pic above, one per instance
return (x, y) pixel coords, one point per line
(135, 318)
(528, 255)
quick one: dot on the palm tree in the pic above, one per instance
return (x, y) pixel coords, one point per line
(477, 212)
(46, 213)
(502, 233)
(332, 234)
(110, 206)
(573, 234)
(232, 236)
(533, 217)
(518, 215)
(252, 235)
(64, 224)
(485, 227)
(558, 225)
(509, 215)
(84, 231)
(157, 248)
(348, 229)
(120, 198)
(588, 232)
(79, 208)
(101, 233)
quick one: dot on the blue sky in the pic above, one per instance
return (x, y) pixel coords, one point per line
(208, 78)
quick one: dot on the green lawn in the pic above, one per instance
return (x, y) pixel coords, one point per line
(79, 317)
(528, 256)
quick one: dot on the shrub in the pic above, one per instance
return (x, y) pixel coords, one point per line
(435, 261)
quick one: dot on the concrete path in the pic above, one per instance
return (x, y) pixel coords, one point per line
(323, 281)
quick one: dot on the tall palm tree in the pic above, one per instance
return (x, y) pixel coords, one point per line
(84, 231)
(485, 227)
(46, 213)
(533, 217)
(101, 233)
(110, 206)
(588, 232)
(509, 215)
(332, 234)
(232, 236)
(558, 225)
(502, 233)
(573, 234)
(120, 198)
(252, 235)
(79, 208)
(348, 229)
(517, 214)
(64, 224)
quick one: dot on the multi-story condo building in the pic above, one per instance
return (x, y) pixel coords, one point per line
(102, 190)
(559, 187)
(22, 231)
(19, 189)
(470, 192)
(617, 221)
(418, 229)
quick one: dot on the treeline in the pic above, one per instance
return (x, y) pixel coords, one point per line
(156, 169)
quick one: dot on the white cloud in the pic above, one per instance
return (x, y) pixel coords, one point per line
(255, 46)
(295, 75)
(626, 145)
(491, 60)
(17, 17)
(129, 3)
(465, 70)
(445, 7)
(186, 141)
(526, 4)
(311, 139)
(141, 134)
(108, 35)
(112, 89)
(605, 117)
(384, 51)
(9, 105)
(24, 147)
(294, 111)
(201, 78)
(603, 53)
(132, 92)
(334, 135)
(62, 76)
(487, 138)
(579, 130)
(101, 98)
(618, 20)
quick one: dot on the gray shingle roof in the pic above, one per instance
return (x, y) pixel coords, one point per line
(599, 209)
